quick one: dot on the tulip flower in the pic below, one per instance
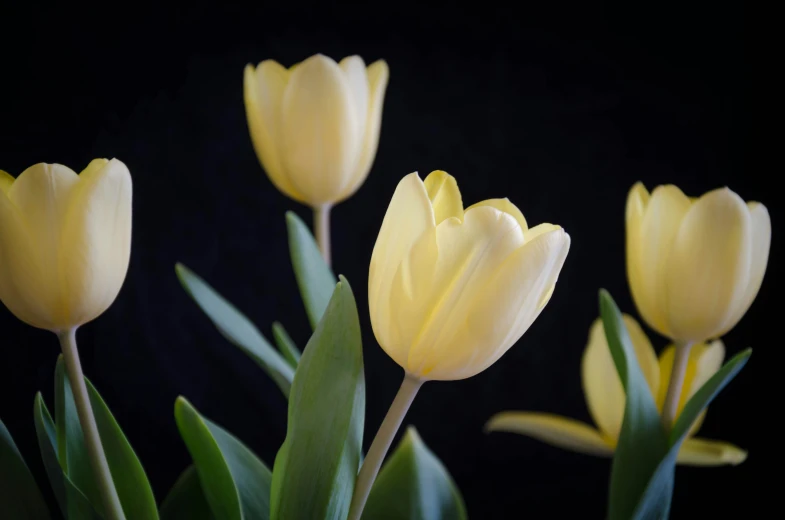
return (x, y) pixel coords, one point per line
(605, 399)
(65, 243)
(451, 290)
(315, 128)
(694, 265)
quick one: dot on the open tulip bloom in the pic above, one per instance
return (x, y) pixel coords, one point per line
(605, 398)
(450, 290)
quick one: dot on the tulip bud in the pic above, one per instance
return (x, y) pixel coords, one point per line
(65, 242)
(450, 291)
(315, 126)
(694, 265)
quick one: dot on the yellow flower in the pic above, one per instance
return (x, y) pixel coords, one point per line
(694, 265)
(65, 241)
(605, 398)
(315, 126)
(450, 291)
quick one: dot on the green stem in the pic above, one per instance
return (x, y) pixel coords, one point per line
(670, 408)
(95, 450)
(321, 225)
(381, 444)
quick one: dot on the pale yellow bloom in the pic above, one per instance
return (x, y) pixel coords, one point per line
(65, 241)
(605, 398)
(694, 265)
(450, 291)
(315, 126)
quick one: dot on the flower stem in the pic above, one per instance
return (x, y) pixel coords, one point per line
(671, 406)
(321, 225)
(381, 443)
(95, 450)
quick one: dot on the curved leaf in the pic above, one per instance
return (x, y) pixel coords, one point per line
(642, 442)
(314, 277)
(285, 344)
(236, 328)
(186, 500)
(652, 504)
(133, 488)
(316, 468)
(235, 482)
(20, 497)
(73, 504)
(414, 485)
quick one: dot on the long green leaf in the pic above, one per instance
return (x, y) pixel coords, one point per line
(130, 480)
(235, 482)
(133, 488)
(314, 277)
(71, 449)
(186, 500)
(20, 497)
(414, 485)
(236, 328)
(642, 442)
(316, 468)
(73, 504)
(652, 506)
(286, 345)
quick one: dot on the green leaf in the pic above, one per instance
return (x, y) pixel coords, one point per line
(73, 504)
(236, 328)
(133, 488)
(652, 504)
(20, 497)
(642, 442)
(130, 480)
(286, 345)
(71, 449)
(414, 485)
(314, 277)
(316, 468)
(186, 500)
(235, 482)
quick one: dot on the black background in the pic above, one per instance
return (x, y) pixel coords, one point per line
(561, 111)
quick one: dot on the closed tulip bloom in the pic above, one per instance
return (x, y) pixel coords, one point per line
(451, 290)
(65, 241)
(315, 126)
(606, 400)
(694, 265)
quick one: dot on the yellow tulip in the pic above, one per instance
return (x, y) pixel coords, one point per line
(694, 265)
(450, 291)
(65, 241)
(315, 126)
(605, 398)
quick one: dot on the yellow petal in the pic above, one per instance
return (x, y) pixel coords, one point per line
(42, 194)
(96, 241)
(649, 251)
(708, 268)
(378, 77)
(263, 93)
(506, 206)
(705, 452)
(408, 217)
(445, 196)
(554, 430)
(704, 361)
(6, 180)
(320, 140)
(601, 383)
(761, 243)
(637, 200)
(438, 323)
(497, 307)
(353, 68)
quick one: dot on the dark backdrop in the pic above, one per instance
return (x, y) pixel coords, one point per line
(561, 111)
